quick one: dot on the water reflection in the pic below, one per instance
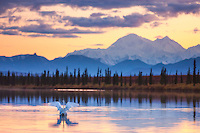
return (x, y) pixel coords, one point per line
(100, 98)
(101, 111)
(64, 120)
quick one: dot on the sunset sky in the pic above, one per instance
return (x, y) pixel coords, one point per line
(53, 28)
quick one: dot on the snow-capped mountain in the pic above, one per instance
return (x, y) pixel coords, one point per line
(168, 45)
(192, 52)
(132, 47)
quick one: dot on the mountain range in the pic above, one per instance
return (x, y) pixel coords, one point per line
(132, 47)
(129, 54)
(37, 64)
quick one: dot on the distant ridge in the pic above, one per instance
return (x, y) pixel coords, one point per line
(37, 64)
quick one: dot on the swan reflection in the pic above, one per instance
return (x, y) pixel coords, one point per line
(64, 120)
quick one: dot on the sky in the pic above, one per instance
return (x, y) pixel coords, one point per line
(53, 28)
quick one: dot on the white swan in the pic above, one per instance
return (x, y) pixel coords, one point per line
(63, 111)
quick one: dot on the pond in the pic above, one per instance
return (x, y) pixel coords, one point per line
(99, 111)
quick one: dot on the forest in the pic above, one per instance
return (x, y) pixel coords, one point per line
(103, 79)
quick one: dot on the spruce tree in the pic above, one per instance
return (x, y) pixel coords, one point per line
(13, 79)
(66, 76)
(188, 81)
(130, 80)
(197, 81)
(181, 78)
(74, 81)
(124, 81)
(57, 76)
(8, 78)
(140, 78)
(79, 77)
(121, 79)
(151, 77)
(146, 80)
(86, 76)
(163, 75)
(194, 73)
(100, 78)
(98, 75)
(176, 78)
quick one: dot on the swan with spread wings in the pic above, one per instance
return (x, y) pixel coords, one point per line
(63, 110)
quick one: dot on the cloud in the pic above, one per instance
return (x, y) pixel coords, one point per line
(161, 7)
(97, 45)
(155, 24)
(196, 30)
(45, 30)
(174, 9)
(10, 32)
(133, 20)
(37, 35)
(97, 14)
(9, 28)
(65, 36)
(14, 18)
(53, 36)
(47, 13)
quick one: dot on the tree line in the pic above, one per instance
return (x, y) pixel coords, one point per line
(78, 78)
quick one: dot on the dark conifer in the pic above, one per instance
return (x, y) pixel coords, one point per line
(181, 78)
(57, 76)
(124, 81)
(176, 78)
(146, 80)
(74, 81)
(66, 76)
(1, 78)
(121, 79)
(8, 78)
(197, 81)
(28, 79)
(194, 73)
(151, 77)
(71, 79)
(13, 79)
(188, 81)
(79, 77)
(140, 78)
(163, 75)
(53, 80)
(100, 78)
(130, 80)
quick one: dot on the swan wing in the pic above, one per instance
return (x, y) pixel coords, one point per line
(70, 105)
(56, 104)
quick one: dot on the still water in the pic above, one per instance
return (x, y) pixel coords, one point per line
(99, 111)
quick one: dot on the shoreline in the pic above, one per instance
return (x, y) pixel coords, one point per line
(186, 88)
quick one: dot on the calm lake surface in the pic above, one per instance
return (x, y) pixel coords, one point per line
(99, 111)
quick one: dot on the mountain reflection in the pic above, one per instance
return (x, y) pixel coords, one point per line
(64, 120)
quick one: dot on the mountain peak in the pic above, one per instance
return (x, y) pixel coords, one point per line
(134, 47)
(166, 38)
(168, 45)
(129, 41)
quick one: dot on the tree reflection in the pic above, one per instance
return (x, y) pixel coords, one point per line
(194, 109)
(64, 120)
